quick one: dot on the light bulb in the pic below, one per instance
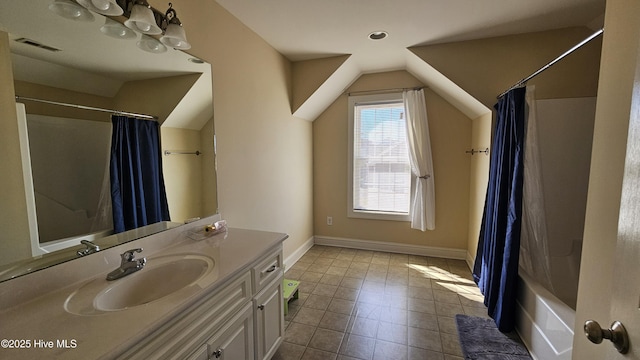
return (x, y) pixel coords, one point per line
(101, 4)
(144, 27)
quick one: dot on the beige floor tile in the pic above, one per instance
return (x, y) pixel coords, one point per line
(326, 340)
(335, 270)
(425, 339)
(315, 354)
(332, 279)
(447, 325)
(353, 283)
(341, 306)
(361, 304)
(308, 316)
(288, 351)
(359, 347)
(450, 344)
(334, 321)
(319, 302)
(346, 293)
(324, 289)
(299, 334)
(363, 327)
(311, 276)
(423, 321)
(389, 350)
(393, 333)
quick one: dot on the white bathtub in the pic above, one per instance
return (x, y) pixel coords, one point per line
(545, 321)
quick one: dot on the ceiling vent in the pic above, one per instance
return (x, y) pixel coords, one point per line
(36, 44)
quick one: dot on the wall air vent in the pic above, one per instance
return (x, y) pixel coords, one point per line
(36, 44)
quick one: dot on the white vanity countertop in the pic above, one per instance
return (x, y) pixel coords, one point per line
(43, 325)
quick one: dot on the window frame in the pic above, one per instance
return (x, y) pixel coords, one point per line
(353, 101)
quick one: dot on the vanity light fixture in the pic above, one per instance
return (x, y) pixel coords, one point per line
(150, 44)
(142, 19)
(70, 10)
(174, 35)
(104, 7)
(116, 30)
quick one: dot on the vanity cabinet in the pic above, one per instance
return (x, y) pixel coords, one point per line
(269, 310)
(241, 319)
(235, 340)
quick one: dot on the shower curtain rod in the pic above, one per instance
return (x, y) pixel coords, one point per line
(116, 112)
(364, 92)
(579, 45)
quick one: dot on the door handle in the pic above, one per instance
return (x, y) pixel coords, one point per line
(617, 334)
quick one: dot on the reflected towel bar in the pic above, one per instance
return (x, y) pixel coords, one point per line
(172, 152)
(474, 151)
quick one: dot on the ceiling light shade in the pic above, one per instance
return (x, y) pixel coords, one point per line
(70, 10)
(152, 45)
(104, 7)
(175, 37)
(116, 30)
(143, 20)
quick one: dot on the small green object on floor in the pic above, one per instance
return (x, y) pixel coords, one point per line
(290, 291)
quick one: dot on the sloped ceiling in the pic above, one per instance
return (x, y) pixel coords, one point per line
(303, 31)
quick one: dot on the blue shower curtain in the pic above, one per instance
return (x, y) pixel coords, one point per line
(137, 184)
(496, 265)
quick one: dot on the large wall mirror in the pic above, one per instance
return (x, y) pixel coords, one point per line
(81, 62)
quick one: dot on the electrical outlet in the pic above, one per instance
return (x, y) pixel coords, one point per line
(329, 220)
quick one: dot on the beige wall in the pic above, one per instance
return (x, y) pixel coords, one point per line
(263, 152)
(450, 137)
(209, 177)
(619, 56)
(157, 97)
(309, 75)
(479, 177)
(498, 63)
(37, 91)
(182, 173)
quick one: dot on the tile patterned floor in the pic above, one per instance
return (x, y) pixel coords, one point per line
(357, 304)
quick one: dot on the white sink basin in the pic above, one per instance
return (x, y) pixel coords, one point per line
(162, 276)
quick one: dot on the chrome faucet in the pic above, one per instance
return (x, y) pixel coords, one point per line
(128, 265)
(91, 248)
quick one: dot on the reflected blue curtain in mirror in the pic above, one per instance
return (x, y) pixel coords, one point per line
(496, 265)
(137, 184)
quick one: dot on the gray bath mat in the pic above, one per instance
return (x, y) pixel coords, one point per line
(480, 339)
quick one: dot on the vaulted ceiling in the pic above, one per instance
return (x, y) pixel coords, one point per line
(338, 30)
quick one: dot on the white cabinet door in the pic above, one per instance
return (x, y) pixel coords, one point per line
(235, 340)
(269, 310)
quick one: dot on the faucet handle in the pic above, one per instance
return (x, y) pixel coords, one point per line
(129, 255)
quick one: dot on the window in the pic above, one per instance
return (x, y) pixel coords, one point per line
(379, 168)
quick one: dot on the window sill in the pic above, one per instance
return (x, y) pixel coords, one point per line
(371, 215)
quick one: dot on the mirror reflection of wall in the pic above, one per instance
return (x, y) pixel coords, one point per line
(96, 70)
(68, 166)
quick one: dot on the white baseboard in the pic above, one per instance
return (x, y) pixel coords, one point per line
(392, 247)
(470, 261)
(297, 254)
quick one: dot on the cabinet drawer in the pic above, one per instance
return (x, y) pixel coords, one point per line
(178, 338)
(267, 270)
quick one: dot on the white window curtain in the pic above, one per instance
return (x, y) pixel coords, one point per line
(423, 211)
